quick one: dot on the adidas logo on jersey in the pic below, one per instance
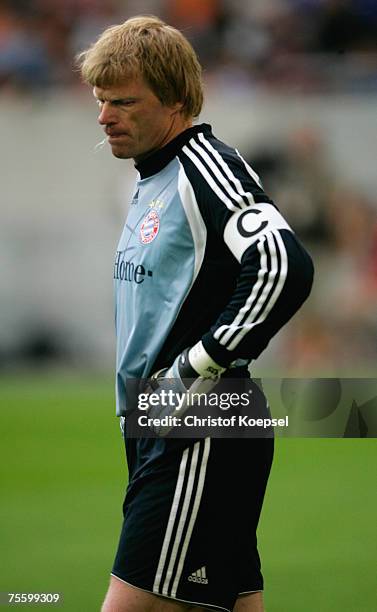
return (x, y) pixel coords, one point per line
(199, 576)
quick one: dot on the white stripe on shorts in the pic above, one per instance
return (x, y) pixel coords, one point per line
(184, 518)
(194, 514)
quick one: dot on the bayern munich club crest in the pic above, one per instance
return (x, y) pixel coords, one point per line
(149, 227)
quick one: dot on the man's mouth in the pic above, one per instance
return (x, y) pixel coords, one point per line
(114, 138)
(112, 134)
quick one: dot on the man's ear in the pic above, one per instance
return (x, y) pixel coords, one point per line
(177, 108)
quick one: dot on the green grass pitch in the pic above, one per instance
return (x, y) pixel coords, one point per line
(63, 477)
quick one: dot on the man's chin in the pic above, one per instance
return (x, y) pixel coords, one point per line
(120, 154)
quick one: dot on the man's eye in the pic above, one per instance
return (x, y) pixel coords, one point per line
(100, 103)
(123, 102)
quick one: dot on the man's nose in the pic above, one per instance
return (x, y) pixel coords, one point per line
(107, 114)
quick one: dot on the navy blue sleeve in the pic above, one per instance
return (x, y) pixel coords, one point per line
(274, 271)
(275, 279)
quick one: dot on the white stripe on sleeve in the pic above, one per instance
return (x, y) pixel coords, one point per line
(220, 194)
(231, 335)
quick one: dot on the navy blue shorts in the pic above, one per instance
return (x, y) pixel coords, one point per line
(190, 517)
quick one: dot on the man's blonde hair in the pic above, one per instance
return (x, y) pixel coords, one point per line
(146, 46)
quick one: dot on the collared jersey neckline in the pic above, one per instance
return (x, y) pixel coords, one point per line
(155, 162)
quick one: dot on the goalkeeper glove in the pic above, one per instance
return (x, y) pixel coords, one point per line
(192, 372)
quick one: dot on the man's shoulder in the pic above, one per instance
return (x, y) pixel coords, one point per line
(217, 171)
(205, 147)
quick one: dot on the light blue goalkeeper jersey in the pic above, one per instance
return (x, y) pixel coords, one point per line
(204, 254)
(157, 260)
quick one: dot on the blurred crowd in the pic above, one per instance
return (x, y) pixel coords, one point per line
(307, 45)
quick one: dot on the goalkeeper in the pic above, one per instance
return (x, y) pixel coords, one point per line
(206, 272)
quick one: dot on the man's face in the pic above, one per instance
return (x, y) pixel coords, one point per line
(135, 120)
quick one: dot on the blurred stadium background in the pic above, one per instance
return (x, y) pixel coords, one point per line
(292, 84)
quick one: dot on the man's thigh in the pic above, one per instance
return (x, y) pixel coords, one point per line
(122, 597)
(189, 535)
(249, 603)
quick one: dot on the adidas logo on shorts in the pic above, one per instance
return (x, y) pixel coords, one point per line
(199, 576)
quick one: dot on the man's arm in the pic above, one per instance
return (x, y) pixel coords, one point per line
(275, 272)
(276, 276)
